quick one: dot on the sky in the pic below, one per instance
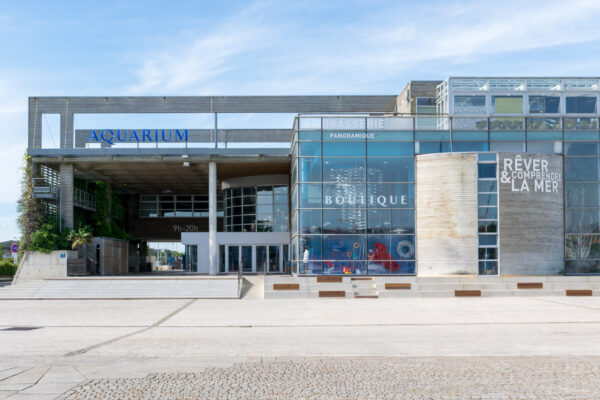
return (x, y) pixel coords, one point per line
(134, 48)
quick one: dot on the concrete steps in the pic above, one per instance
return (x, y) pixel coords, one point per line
(446, 286)
(124, 288)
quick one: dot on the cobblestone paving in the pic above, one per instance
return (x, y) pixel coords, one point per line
(381, 378)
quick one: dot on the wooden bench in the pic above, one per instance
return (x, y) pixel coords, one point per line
(332, 293)
(286, 286)
(395, 286)
(467, 293)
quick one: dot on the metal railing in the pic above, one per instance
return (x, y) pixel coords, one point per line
(84, 199)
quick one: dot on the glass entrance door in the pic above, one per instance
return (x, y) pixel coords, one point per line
(246, 258)
(253, 259)
(261, 259)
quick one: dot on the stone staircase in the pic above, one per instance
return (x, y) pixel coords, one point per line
(125, 288)
(446, 286)
(364, 288)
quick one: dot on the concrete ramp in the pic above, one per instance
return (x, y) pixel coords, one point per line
(125, 288)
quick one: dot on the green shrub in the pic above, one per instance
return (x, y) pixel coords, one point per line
(48, 238)
(7, 268)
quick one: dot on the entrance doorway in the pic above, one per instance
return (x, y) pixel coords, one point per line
(271, 259)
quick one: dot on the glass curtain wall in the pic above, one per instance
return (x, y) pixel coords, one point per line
(353, 202)
(337, 229)
(256, 209)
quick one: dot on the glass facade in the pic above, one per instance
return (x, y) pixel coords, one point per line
(256, 209)
(352, 191)
(178, 206)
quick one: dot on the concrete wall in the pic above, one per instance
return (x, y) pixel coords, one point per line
(406, 100)
(200, 239)
(446, 214)
(36, 265)
(531, 217)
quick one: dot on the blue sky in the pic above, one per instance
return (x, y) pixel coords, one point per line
(116, 48)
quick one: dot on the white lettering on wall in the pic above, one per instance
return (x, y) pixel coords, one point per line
(522, 174)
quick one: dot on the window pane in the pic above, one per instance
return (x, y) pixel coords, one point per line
(310, 170)
(581, 168)
(507, 104)
(469, 105)
(390, 149)
(581, 221)
(344, 148)
(581, 105)
(487, 199)
(310, 149)
(390, 169)
(313, 245)
(488, 226)
(488, 254)
(470, 146)
(517, 147)
(379, 221)
(403, 221)
(486, 186)
(488, 240)
(582, 194)
(342, 248)
(432, 147)
(581, 148)
(344, 221)
(342, 169)
(544, 104)
(402, 247)
(486, 170)
(310, 221)
(487, 213)
(310, 196)
(544, 147)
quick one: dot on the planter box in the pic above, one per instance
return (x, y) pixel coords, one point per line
(79, 267)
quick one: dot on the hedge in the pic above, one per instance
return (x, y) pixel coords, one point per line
(7, 268)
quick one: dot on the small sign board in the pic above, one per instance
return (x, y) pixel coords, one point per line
(15, 247)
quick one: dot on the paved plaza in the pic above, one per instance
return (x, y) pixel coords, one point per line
(449, 348)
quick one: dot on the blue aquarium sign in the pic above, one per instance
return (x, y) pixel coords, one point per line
(112, 136)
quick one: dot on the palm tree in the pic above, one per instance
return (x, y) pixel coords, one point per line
(79, 237)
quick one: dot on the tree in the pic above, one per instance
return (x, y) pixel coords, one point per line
(31, 209)
(80, 237)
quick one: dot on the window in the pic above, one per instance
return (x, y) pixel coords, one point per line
(507, 104)
(257, 209)
(581, 105)
(469, 105)
(487, 201)
(178, 206)
(544, 104)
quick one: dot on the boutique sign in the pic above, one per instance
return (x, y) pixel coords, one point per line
(114, 136)
(363, 201)
(531, 173)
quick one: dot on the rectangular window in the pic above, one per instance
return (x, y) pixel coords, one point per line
(544, 104)
(353, 149)
(507, 104)
(469, 105)
(486, 171)
(581, 104)
(344, 169)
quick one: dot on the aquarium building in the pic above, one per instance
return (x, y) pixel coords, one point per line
(465, 176)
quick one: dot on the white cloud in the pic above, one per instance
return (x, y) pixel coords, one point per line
(198, 61)
(250, 53)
